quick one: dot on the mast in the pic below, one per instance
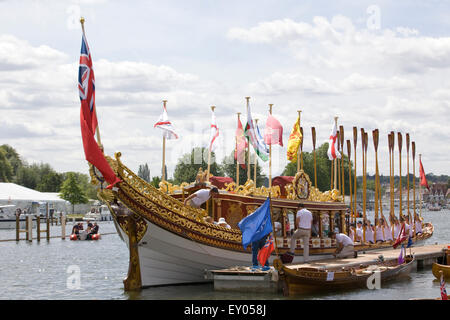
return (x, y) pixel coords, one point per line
(335, 160)
(256, 156)
(313, 133)
(270, 154)
(237, 159)
(355, 142)
(300, 151)
(248, 155)
(341, 131)
(209, 152)
(163, 176)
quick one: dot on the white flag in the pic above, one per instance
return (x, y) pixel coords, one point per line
(214, 131)
(333, 153)
(164, 124)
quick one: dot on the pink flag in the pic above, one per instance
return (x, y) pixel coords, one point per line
(333, 153)
(274, 131)
(241, 144)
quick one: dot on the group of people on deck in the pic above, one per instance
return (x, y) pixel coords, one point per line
(90, 230)
(365, 232)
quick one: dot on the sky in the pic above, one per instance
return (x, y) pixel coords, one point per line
(374, 64)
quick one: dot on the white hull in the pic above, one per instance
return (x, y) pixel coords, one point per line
(168, 259)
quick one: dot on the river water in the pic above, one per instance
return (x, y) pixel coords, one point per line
(79, 270)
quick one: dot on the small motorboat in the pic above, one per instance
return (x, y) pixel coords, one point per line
(298, 279)
(85, 236)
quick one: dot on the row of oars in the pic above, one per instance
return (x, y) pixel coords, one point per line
(352, 177)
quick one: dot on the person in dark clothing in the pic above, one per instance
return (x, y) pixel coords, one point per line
(75, 229)
(95, 228)
(256, 246)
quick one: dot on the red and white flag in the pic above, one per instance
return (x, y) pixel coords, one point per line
(423, 179)
(333, 153)
(214, 131)
(88, 118)
(164, 124)
(401, 237)
(273, 134)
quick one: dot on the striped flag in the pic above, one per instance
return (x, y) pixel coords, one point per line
(333, 153)
(258, 143)
(164, 124)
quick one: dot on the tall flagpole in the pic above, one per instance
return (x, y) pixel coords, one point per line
(270, 153)
(413, 150)
(164, 150)
(299, 151)
(335, 160)
(248, 155)
(97, 130)
(209, 153)
(256, 156)
(237, 158)
(355, 142)
(420, 189)
(313, 133)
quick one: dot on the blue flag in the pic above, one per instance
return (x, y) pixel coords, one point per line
(410, 243)
(256, 225)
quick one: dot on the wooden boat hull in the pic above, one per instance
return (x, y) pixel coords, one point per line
(304, 279)
(436, 268)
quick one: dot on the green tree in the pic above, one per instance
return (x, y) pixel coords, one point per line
(144, 172)
(13, 158)
(229, 168)
(72, 191)
(51, 182)
(6, 169)
(188, 165)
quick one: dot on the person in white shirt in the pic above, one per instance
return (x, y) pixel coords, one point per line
(200, 197)
(380, 237)
(344, 245)
(418, 224)
(359, 232)
(304, 222)
(369, 232)
(408, 227)
(387, 231)
(351, 232)
(223, 223)
(396, 227)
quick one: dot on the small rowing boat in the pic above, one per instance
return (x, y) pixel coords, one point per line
(300, 279)
(443, 265)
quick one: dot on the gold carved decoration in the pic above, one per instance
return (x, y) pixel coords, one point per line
(302, 185)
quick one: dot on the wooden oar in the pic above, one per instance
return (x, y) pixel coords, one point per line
(399, 137)
(341, 130)
(355, 142)
(349, 151)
